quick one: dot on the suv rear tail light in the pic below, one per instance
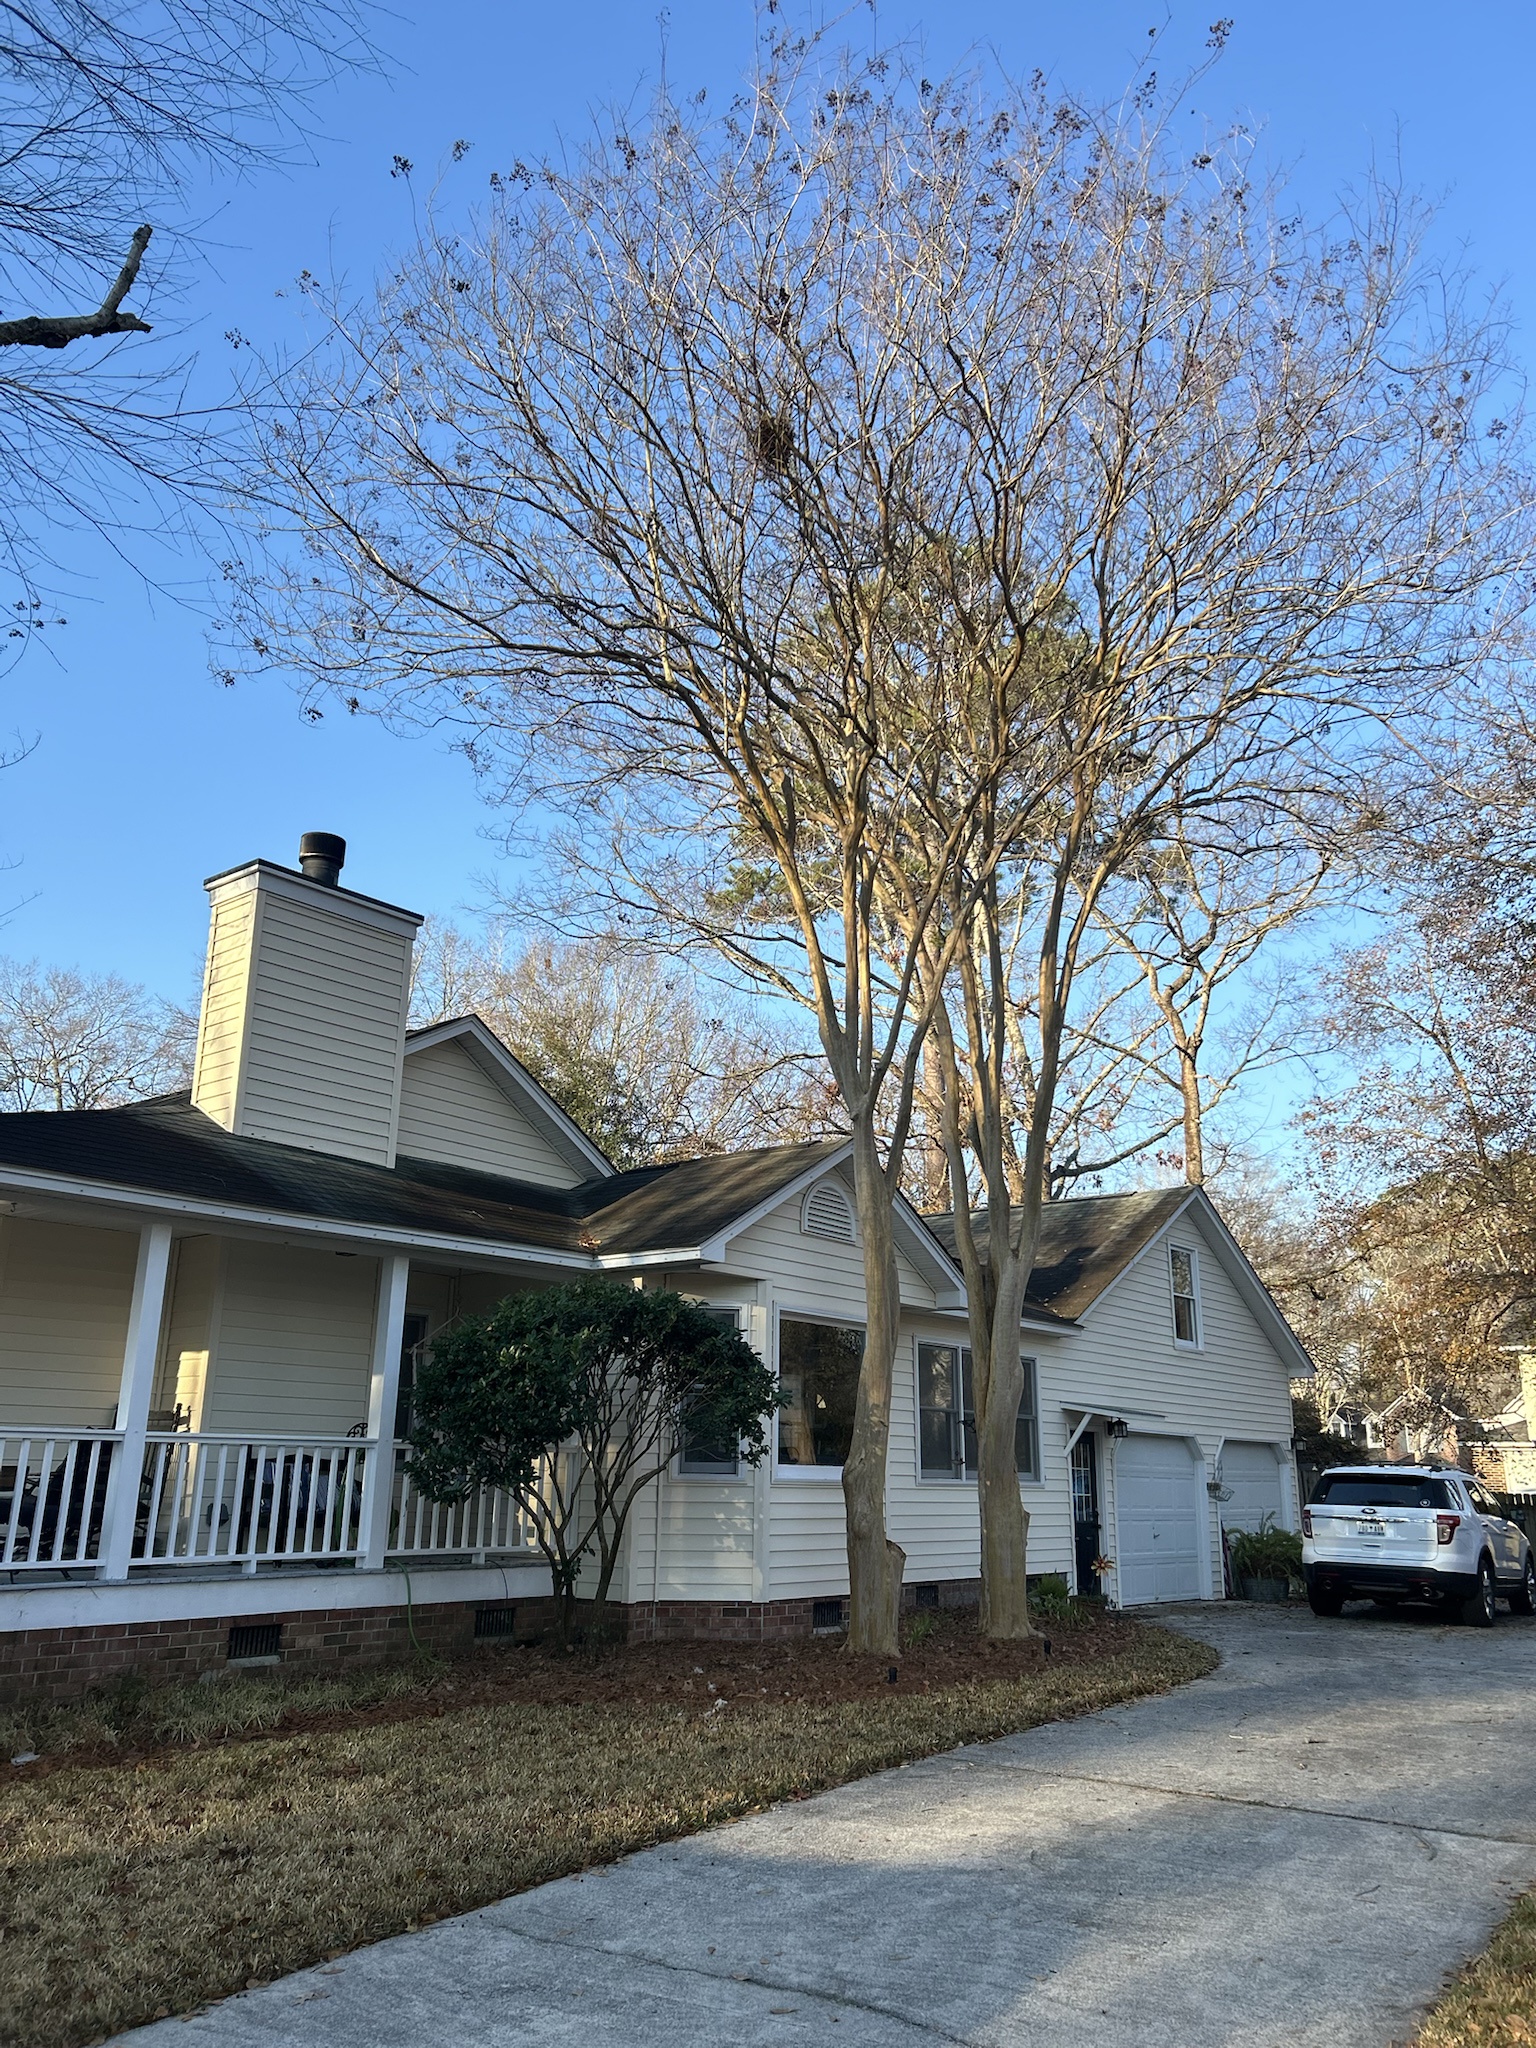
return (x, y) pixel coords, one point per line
(1306, 1521)
(1446, 1527)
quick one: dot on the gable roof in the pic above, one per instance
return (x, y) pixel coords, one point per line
(1089, 1242)
(165, 1148)
(1086, 1243)
(535, 1104)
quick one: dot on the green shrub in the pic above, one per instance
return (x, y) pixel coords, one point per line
(1266, 1553)
(1051, 1596)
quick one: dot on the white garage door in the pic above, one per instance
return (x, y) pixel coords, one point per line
(1249, 1473)
(1157, 1517)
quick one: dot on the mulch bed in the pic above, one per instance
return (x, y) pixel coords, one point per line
(947, 1653)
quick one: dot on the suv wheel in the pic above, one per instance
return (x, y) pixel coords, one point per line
(1327, 1603)
(1481, 1609)
(1523, 1601)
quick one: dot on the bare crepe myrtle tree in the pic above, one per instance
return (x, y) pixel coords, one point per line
(1191, 923)
(107, 116)
(861, 512)
(1280, 528)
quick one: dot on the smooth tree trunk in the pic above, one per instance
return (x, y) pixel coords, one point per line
(875, 1564)
(995, 1338)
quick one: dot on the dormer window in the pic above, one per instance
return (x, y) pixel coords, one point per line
(1184, 1272)
(828, 1213)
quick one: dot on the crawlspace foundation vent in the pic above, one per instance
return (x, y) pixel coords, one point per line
(255, 1639)
(826, 1615)
(494, 1624)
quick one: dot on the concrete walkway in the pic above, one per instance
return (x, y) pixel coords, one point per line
(1293, 1851)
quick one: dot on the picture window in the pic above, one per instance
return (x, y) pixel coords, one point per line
(819, 1379)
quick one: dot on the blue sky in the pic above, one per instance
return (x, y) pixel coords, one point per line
(147, 775)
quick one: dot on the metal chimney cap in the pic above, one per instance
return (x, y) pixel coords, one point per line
(321, 857)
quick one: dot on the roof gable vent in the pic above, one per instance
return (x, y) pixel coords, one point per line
(827, 1213)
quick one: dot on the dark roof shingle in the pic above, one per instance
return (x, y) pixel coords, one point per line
(1085, 1243)
(167, 1147)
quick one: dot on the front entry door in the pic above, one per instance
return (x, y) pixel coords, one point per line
(1085, 1512)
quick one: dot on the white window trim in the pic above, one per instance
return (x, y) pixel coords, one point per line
(676, 1469)
(1197, 1342)
(808, 1475)
(1030, 1359)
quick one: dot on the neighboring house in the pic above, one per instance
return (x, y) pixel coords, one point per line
(210, 1306)
(1502, 1448)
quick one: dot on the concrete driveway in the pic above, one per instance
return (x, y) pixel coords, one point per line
(1293, 1851)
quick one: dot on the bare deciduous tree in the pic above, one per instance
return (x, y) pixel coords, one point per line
(879, 509)
(86, 1041)
(107, 116)
(650, 1062)
(1191, 918)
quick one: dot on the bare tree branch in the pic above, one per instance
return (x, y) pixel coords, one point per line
(58, 330)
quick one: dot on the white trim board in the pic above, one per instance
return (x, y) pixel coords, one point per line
(94, 1604)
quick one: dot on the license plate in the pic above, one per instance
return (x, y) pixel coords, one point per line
(1370, 1528)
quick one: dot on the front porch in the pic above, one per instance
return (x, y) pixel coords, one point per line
(247, 1397)
(211, 1504)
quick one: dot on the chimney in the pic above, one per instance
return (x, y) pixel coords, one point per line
(302, 1029)
(322, 856)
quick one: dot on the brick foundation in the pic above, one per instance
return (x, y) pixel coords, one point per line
(58, 1664)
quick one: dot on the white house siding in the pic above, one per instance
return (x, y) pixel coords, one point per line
(191, 1306)
(804, 1551)
(1126, 1363)
(65, 1292)
(451, 1109)
(326, 1031)
(226, 990)
(292, 1349)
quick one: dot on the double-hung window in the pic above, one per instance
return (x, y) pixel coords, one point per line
(704, 1453)
(1184, 1274)
(946, 1415)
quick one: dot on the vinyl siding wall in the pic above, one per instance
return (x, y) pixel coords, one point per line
(1127, 1361)
(803, 1547)
(191, 1311)
(65, 1293)
(293, 1343)
(772, 1535)
(226, 990)
(451, 1109)
(692, 1536)
(326, 1032)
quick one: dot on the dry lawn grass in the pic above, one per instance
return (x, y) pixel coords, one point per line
(134, 1889)
(1492, 2004)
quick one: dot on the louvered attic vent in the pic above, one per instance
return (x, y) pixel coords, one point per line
(827, 1213)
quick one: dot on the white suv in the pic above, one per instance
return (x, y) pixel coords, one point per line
(1413, 1532)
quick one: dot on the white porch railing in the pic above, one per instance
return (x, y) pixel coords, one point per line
(215, 1499)
(212, 1499)
(488, 1520)
(53, 1497)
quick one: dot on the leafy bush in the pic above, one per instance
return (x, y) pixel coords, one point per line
(1051, 1596)
(1266, 1553)
(574, 1400)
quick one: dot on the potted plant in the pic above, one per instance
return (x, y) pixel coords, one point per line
(1266, 1562)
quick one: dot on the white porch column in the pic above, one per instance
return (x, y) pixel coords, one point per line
(140, 1356)
(383, 1394)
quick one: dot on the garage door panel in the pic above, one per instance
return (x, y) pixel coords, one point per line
(1161, 1552)
(1251, 1476)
